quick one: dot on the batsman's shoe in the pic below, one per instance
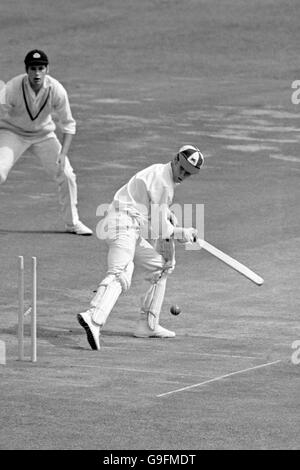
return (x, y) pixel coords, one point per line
(144, 331)
(92, 329)
(79, 229)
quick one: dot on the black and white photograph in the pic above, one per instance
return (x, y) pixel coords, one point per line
(149, 228)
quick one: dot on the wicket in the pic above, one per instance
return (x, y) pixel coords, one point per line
(31, 310)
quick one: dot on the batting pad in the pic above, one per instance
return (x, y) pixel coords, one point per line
(109, 291)
(166, 248)
(104, 301)
(153, 300)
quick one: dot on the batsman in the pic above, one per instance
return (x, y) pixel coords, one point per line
(140, 230)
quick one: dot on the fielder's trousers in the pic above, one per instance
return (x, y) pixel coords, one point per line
(13, 146)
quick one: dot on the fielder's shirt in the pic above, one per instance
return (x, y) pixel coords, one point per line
(30, 115)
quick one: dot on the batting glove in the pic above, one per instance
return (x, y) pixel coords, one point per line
(186, 235)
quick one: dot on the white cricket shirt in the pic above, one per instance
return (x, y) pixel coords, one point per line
(30, 115)
(147, 192)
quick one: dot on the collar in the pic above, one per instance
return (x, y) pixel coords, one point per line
(45, 85)
(37, 99)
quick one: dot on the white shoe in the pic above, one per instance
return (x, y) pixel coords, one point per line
(91, 328)
(144, 331)
(79, 229)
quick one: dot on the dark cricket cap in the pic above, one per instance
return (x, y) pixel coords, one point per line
(36, 57)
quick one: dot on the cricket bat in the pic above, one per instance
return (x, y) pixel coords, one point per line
(233, 263)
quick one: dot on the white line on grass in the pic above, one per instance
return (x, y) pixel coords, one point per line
(217, 378)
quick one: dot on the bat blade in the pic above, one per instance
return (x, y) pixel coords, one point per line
(233, 263)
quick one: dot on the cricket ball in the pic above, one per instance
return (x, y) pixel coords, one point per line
(175, 309)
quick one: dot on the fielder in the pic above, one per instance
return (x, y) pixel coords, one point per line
(27, 103)
(143, 202)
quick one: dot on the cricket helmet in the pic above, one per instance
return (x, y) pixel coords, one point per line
(36, 57)
(190, 158)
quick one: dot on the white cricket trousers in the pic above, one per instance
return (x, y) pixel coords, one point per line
(13, 146)
(125, 245)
